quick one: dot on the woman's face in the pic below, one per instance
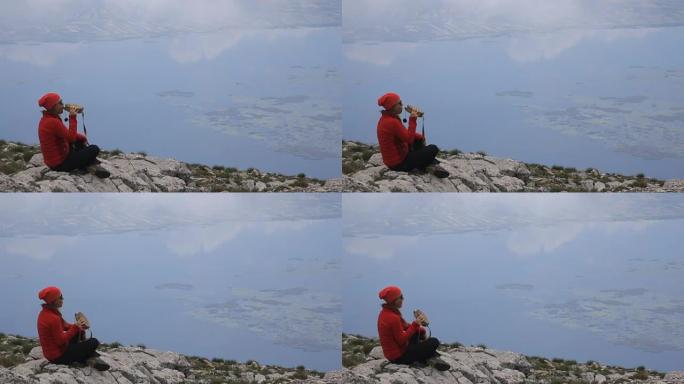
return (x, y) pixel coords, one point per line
(396, 110)
(59, 302)
(399, 302)
(58, 108)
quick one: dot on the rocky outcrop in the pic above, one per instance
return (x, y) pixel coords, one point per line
(22, 170)
(25, 365)
(128, 365)
(364, 171)
(481, 365)
(21, 362)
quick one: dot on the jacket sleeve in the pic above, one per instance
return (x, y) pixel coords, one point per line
(70, 134)
(400, 335)
(58, 334)
(407, 136)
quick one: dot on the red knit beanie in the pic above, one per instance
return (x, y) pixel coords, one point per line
(49, 100)
(49, 294)
(388, 100)
(390, 293)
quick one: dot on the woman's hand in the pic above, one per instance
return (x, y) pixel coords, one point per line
(421, 318)
(82, 321)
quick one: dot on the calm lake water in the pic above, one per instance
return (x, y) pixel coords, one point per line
(182, 83)
(215, 276)
(572, 276)
(580, 84)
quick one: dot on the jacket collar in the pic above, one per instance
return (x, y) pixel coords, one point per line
(388, 308)
(48, 114)
(388, 114)
(51, 309)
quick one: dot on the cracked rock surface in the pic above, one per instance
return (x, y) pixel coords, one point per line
(364, 171)
(22, 362)
(128, 365)
(365, 364)
(22, 170)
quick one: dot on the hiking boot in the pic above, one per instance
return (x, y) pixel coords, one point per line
(99, 171)
(438, 171)
(98, 364)
(439, 364)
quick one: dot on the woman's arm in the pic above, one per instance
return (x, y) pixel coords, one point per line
(407, 136)
(70, 134)
(401, 335)
(58, 334)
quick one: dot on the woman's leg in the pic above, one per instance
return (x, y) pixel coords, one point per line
(79, 158)
(427, 349)
(419, 159)
(419, 351)
(425, 156)
(78, 352)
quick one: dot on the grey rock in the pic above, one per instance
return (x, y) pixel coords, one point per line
(481, 365)
(674, 377)
(135, 172)
(467, 173)
(129, 172)
(35, 354)
(674, 185)
(376, 353)
(468, 365)
(376, 160)
(475, 172)
(128, 365)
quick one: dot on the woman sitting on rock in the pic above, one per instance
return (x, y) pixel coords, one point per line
(404, 343)
(60, 341)
(65, 149)
(399, 153)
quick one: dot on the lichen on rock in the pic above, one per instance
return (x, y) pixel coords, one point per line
(365, 364)
(22, 170)
(364, 171)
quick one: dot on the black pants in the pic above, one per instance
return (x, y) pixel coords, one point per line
(418, 350)
(80, 156)
(78, 351)
(419, 157)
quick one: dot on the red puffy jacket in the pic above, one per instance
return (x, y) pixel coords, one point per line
(54, 333)
(55, 138)
(394, 138)
(394, 332)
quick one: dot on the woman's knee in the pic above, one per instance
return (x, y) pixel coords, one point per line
(433, 149)
(93, 342)
(94, 148)
(433, 342)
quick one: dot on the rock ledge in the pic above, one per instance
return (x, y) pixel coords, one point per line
(364, 171)
(22, 170)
